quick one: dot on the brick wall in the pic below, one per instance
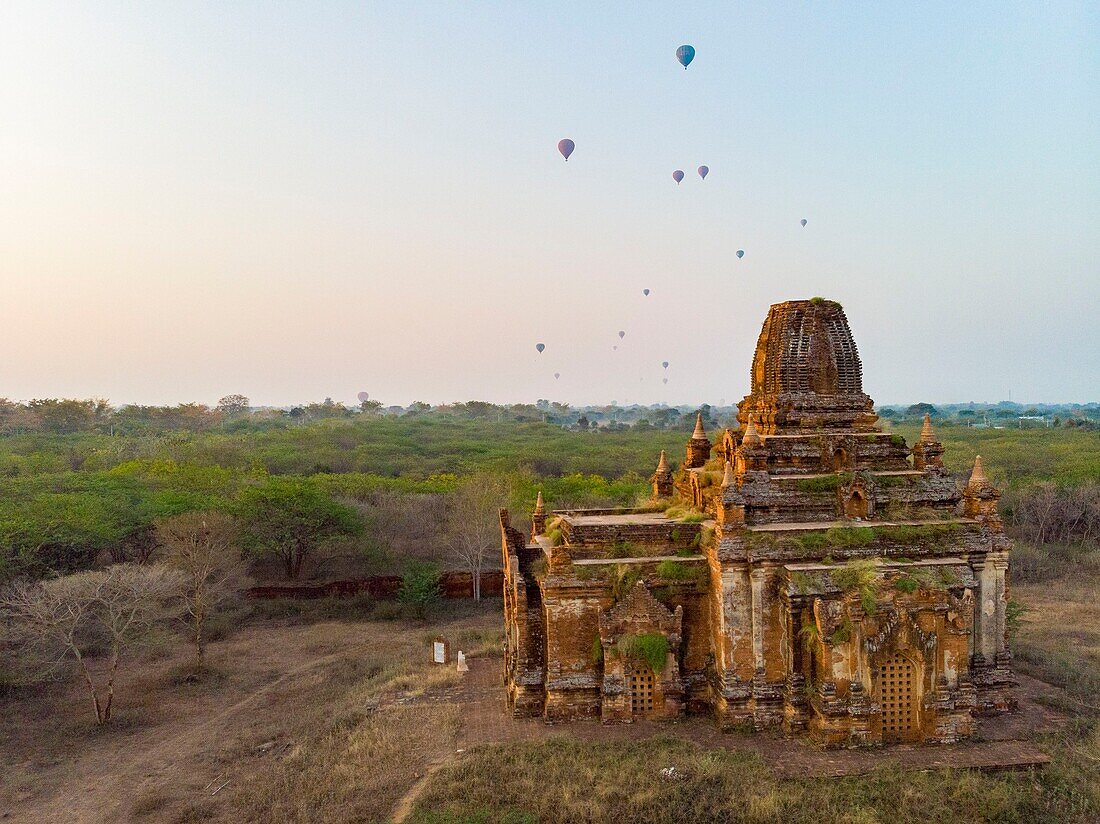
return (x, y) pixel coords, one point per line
(452, 584)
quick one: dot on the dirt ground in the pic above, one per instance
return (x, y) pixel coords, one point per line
(179, 751)
(230, 747)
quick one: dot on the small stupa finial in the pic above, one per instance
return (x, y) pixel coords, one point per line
(699, 434)
(977, 475)
(752, 437)
(927, 434)
(540, 507)
(727, 478)
(662, 464)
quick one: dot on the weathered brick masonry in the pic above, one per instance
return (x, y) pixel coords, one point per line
(806, 570)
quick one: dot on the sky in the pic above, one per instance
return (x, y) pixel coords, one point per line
(296, 201)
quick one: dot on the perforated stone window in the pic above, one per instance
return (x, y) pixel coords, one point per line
(642, 686)
(898, 699)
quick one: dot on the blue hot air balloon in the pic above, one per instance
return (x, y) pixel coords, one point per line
(622, 335)
(803, 221)
(664, 364)
(685, 54)
(664, 380)
(740, 253)
(363, 397)
(645, 292)
(540, 347)
(704, 171)
(557, 375)
(566, 147)
(678, 175)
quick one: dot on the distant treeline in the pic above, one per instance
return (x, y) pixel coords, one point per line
(235, 414)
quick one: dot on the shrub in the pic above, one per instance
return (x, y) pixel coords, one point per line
(850, 536)
(809, 635)
(648, 648)
(859, 576)
(419, 587)
(677, 571)
(829, 483)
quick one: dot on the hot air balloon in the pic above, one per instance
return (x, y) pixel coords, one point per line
(740, 253)
(678, 175)
(685, 54)
(615, 348)
(566, 147)
(645, 292)
(540, 347)
(664, 380)
(664, 364)
(803, 221)
(704, 171)
(557, 375)
(363, 397)
(622, 335)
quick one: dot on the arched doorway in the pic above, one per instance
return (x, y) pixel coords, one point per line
(643, 685)
(840, 459)
(856, 505)
(899, 698)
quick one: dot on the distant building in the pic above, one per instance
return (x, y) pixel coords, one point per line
(805, 571)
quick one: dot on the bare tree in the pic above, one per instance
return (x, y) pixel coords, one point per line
(66, 618)
(203, 547)
(473, 531)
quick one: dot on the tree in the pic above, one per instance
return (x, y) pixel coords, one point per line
(66, 618)
(203, 548)
(290, 518)
(419, 587)
(233, 406)
(473, 531)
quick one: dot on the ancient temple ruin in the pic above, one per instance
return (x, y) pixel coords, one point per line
(805, 570)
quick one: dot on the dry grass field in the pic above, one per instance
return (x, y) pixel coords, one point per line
(300, 718)
(325, 712)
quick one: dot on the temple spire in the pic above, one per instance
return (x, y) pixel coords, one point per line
(752, 437)
(727, 479)
(927, 434)
(540, 507)
(699, 434)
(662, 464)
(977, 475)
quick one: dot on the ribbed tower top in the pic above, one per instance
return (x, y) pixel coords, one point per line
(806, 373)
(806, 346)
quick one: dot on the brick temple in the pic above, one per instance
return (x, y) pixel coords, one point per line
(806, 571)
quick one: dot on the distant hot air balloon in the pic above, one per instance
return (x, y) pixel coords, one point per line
(678, 175)
(664, 380)
(740, 253)
(540, 347)
(622, 335)
(664, 364)
(566, 147)
(363, 397)
(685, 54)
(615, 348)
(803, 221)
(704, 171)
(557, 375)
(645, 292)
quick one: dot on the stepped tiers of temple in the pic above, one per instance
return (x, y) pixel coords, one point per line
(806, 571)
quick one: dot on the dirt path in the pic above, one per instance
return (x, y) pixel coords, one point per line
(103, 783)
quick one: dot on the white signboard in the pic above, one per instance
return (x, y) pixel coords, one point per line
(439, 652)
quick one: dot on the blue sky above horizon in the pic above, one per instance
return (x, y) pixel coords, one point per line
(297, 201)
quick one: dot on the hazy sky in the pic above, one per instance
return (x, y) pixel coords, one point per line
(300, 200)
